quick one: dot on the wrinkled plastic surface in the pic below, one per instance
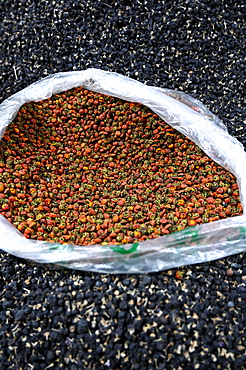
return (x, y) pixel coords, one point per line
(193, 245)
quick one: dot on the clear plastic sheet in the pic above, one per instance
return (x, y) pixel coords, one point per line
(193, 245)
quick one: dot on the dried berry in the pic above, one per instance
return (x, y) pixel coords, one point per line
(229, 272)
(85, 168)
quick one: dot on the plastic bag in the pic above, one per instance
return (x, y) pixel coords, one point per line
(193, 245)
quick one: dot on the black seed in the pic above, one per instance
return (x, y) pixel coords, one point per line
(20, 315)
(80, 320)
(81, 326)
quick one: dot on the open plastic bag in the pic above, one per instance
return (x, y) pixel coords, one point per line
(193, 245)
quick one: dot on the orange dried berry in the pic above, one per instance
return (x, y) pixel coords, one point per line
(191, 223)
(121, 202)
(92, 165)
(115, 218)
(91, 211)
(87, 150)
(164, 220)
(200, 210)
(220, 191)
(5, 207)
(179, 274)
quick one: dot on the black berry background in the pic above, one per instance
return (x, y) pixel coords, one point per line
(65, 319)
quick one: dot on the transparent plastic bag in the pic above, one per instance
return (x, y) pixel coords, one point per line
(193, 245)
